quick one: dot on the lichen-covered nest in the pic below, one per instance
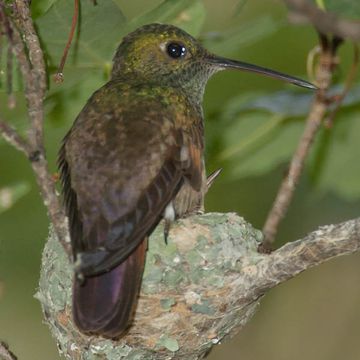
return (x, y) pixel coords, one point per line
(191, 296)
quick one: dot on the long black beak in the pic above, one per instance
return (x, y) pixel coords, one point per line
(224, 63)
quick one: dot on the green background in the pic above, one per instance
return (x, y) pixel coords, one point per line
(314, 316)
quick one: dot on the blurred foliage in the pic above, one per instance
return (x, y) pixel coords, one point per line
(9, 195)
(346, 8)
(229, 41)
(264, 141)
(262, 132)
(251, 135)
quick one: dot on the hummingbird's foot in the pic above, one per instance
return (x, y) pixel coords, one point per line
(211, 178)
(169, 217)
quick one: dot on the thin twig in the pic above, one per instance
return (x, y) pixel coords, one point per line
(59, 76)
(13, 138)
(317, 112)
(5, 353)
(348, 84)
(313, 53)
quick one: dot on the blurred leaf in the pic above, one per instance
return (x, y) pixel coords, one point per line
(90, 57)
(97, 40)
(286, 103)
(256, 143)
(294, 103)
(259, 133)
(17, 117)
(239, 7)
(10, 194)
(346, 8)
(188, 14)
(320, 4)
(335, 159)
(94, 44)
(269, 149)
(40, 7)
(230, 41)
(192, 18)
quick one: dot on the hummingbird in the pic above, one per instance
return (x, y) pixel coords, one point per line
(135, 156)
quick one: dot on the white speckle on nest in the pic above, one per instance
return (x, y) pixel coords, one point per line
(73, 347)
(192, 298)
(176, 260)
(96, 348)
(215, 341)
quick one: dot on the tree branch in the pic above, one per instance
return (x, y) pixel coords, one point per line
(325, 22)
(13, 138)
(5, 353)
(293, 258)
(199, 290)
(26, 47)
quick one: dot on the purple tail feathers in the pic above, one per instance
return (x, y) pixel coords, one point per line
(105, 304)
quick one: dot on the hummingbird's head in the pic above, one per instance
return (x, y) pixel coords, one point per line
(166, 55)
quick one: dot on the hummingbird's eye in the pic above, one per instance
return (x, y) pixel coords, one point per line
(176, 50)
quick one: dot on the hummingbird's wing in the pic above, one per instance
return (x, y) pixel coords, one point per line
(120, 168)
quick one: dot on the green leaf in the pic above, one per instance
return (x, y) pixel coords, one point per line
(192, 18)
(261, 132)
(186, 14)
(268, 150)
(40, 7)
(232, 40)
(257, 142)
(96, 40)
(9, 195)
(335, 159)
(289, 103)
(94, 43)
(17, 116)
(286, 103)
(239, 7)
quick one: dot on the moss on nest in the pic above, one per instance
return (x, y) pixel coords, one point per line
(189, 299)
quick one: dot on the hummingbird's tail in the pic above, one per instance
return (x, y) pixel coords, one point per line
(105, 304)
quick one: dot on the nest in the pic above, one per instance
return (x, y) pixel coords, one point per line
(193, 293)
